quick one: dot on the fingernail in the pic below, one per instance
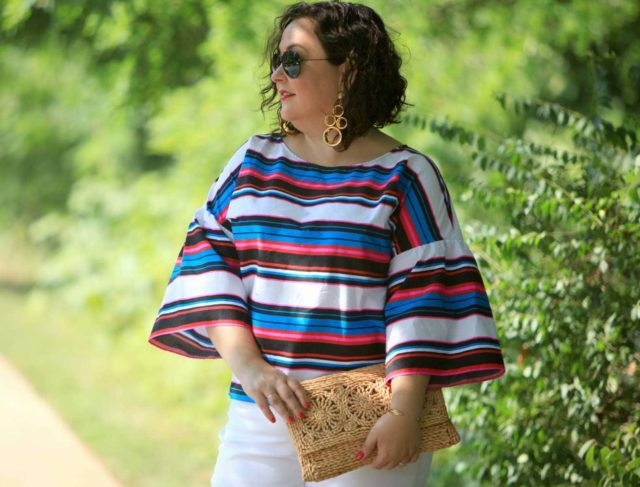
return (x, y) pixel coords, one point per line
(290, 419)
(272, 419)
(301, 415)
(307, 405)
(359, 455)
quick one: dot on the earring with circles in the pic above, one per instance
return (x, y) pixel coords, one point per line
(335, 123)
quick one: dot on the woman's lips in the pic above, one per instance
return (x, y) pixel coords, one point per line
(284, 95)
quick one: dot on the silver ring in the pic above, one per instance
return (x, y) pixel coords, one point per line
(270, 397)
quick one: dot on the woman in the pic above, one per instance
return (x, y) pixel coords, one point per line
(328, 246)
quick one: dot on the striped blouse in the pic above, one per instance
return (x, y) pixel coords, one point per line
(332, 268)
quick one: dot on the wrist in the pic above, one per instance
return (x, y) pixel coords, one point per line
(248, 366)
(408, 394)
(400, 412)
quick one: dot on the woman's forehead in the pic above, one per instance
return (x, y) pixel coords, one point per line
(300, 33)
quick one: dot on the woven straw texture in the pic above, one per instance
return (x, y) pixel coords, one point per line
(344, 408)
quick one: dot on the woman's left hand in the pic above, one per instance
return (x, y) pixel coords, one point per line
(397, 439)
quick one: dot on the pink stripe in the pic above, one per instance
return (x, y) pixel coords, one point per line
(445, 373)
(438, 288)
(409, 228)
(435, 372)
(306, 249)
(307, 184)
(194, 249)
(321, 337)
(196, 324)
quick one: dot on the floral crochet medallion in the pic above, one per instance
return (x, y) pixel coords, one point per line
(344, 408)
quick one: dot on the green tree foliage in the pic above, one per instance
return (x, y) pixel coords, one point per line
(142, 34)
(564, 267)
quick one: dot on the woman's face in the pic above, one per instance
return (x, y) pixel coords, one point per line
(305, 100)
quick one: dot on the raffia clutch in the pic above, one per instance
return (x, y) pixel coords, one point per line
(344, 407)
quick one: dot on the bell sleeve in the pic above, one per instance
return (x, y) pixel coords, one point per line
(437, 314)
(205, 288)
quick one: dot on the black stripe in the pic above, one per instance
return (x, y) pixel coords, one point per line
(329, 351)
(186, 346)
(331, 262)
(447, 363)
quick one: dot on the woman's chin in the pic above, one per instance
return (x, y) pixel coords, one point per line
(288, 115)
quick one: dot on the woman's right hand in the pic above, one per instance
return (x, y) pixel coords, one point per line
(268, 386)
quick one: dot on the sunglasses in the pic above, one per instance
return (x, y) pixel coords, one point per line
(291, 62)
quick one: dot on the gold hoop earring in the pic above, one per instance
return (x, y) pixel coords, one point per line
(335, 123)
(287, 127)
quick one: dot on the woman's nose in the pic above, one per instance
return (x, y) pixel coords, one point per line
(277, 74)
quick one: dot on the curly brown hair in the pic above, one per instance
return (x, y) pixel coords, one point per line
(374, 93)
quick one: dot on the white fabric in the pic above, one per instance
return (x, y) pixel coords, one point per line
(254, 452)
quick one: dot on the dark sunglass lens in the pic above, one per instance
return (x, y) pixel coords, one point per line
(291, 64)
(292, 71)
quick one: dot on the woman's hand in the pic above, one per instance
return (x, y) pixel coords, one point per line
(268, 386)
(397, 439)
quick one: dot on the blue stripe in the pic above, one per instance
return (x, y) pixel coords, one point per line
(241, 397)
(270, 322)
(223, 196)
(373, 175)
(315, 237)
(325, 365)
(438, 301)
(317, 313)
(202, 257)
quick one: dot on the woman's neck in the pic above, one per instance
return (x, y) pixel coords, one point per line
(310, 146)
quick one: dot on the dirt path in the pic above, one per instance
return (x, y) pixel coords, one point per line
(37, 447)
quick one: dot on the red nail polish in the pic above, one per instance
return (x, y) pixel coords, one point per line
(290, 419)
(307, 405)
(301, 415)
(359, 455)
(273, 420)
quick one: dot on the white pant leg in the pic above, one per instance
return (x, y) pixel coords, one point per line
(255, 452)
(411, 475)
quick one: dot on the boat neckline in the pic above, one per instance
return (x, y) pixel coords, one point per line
(342, 166)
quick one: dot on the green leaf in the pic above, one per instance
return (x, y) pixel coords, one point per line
(589, 458)
(605, 452)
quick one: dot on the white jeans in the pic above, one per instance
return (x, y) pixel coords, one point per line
(255, 452)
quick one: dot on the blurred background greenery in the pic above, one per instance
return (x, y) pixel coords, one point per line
(116, 116)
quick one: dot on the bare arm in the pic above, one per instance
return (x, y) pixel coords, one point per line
(407, 394)
(263, 383)
(236, 345)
